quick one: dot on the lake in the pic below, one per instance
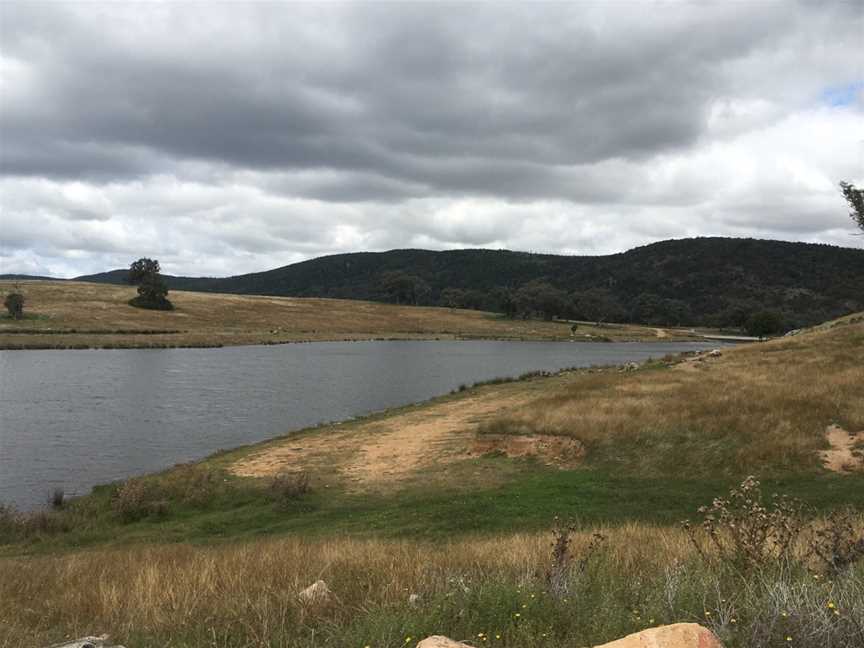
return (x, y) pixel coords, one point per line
(73, 419)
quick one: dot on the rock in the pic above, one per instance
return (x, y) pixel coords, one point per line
(102, 641)
(414, 599)
(440, 642)
(317, 592)
(630, 366)
(715, 353)
(677, 635)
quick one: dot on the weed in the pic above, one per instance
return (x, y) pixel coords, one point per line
(745, 531)
(562, 567)
(57, 499)
(286, 488)
(837, 542)
(136, 499)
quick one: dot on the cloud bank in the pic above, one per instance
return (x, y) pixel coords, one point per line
(227, 138)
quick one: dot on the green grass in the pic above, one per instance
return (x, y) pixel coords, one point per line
(526, 502)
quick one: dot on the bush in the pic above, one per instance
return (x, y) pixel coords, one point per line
(837, 542)
(14, 303)
(285, 489)
(744, 531)
(763, 324)
(135, 500)
(57, 499)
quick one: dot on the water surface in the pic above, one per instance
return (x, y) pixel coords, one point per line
(73, 419)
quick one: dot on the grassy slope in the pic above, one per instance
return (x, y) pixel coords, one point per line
(660, 442)
(759, 408)
(202, 319)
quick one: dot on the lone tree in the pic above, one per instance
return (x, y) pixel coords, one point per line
(152, 291)
(14, 303)
(764, 323)
(855, 198)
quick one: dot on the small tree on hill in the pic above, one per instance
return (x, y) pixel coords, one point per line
(152, 291)
(14, 303)
(855, 198)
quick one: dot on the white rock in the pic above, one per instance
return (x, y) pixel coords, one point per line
(440, 642)
(317, 592)
(102, 641)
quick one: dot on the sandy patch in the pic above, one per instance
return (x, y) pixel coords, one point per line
(660, 333)
(386, 450)
(843, 456)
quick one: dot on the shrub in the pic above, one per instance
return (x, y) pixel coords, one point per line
(764, 323)
(837, 543)
(57, 499)
(562, 566)
(14, 303)
(746, 532)
(289, 487)
(135, 499)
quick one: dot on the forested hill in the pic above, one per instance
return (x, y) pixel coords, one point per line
(709, 281)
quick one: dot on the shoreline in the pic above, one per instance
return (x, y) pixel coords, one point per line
(81, 346)
(464, 391)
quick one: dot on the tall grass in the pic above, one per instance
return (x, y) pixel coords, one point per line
(246, 594)
(762, 408)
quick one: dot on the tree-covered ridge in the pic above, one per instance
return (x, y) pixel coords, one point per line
(706, 281)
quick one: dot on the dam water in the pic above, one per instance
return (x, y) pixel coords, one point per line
(73, 419)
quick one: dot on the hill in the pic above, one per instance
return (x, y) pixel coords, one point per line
(701, 281)
(70, 314)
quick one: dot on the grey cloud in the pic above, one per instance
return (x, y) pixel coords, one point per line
(262, 133)
(406, 92)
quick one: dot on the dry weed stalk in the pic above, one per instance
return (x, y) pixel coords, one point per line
(744, 531)
(836, 541)
(562, 565)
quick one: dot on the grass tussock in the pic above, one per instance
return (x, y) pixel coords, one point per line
(760, 408)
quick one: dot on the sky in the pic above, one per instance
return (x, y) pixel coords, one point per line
(224, 138)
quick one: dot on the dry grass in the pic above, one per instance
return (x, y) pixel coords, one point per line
(216, 319)
(246, 595)
(758, 408)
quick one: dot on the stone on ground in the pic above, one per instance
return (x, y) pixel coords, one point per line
(101, 641)
(317, 592)
(678, 635)
(440, 642)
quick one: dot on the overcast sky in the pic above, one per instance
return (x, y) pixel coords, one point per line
(227, 138)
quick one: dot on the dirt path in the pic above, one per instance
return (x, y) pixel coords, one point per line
(842, 457)
(385, 450)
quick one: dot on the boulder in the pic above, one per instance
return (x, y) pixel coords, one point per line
(317, 592)
(678, 635)
(101, 641)
(440, 642)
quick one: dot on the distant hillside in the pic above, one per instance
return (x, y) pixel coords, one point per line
(707, 281)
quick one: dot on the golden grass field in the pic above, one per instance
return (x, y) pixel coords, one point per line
(202, 319)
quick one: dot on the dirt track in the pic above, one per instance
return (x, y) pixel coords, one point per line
(386, 450)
